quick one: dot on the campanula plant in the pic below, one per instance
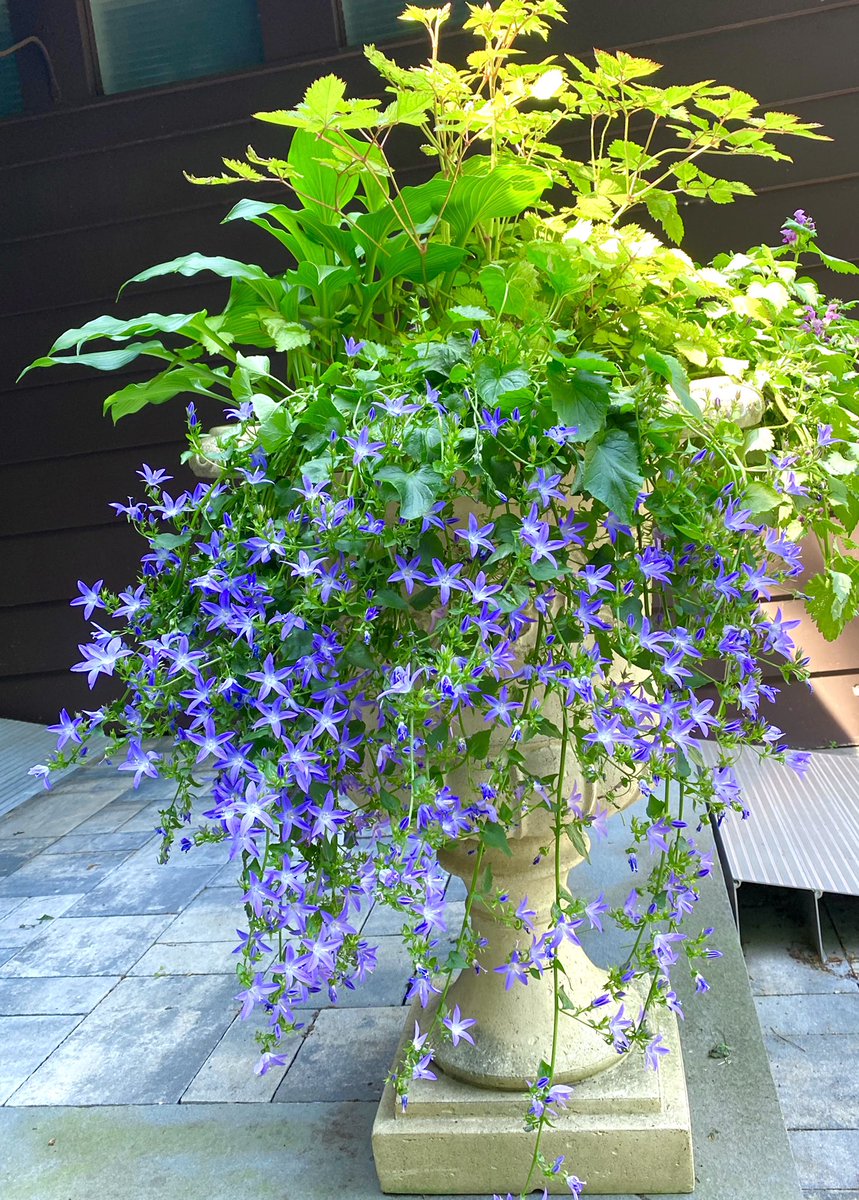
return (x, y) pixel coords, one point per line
(499, 463)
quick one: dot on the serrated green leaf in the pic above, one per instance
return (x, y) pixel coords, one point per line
(417, 490)
(611, 471)
(662, 206)
(492, 380)
(286, 335)
(841, 266)
(580, 399)
(758, 498)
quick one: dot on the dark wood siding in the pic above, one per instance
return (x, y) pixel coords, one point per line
(93, 191)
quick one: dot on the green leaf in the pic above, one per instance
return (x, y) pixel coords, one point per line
(417, 490)
(611, 473)
(506, 190)
(324, 97)
(510, 289)
(101, 360)
(836, 464)
(321, 186)
(163, 387)
(580, 400)
(671, 370)
(495, 838)
(170, 541)
(831, 602)
(478, 743)
(419, 264)
(193, 264)
(662, 206)
(758, 498)
(493, 380)
(585, 360)
(391, 599)
(286, 335)
(840, 265)
(120, 330)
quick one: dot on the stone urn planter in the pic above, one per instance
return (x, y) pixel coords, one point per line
(624, 1130)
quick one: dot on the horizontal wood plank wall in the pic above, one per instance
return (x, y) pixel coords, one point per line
(93, 192)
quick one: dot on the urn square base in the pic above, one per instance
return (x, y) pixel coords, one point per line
(626, 1130)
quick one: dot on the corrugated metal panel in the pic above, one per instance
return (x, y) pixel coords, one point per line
(802, 832)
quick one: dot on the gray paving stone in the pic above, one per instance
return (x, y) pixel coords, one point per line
(827, 1158)
(113, 816)
(346, 1056)
(136, 889)
(31, 917)
(6, 952)
(817, 1087)
(14, 852)
(228, 875)
(196, 1151)
(830, 1195)
(50, 815)
(81, 843)
(213, 916)
(188, 958)
(386, 986)
(456, 889)
(58, 874)
(227, 1076)
(87, 946)
(64, 995)
(145, 820)
(8, 905)
(814, 1015)
(142, 1045)
(25, 1042)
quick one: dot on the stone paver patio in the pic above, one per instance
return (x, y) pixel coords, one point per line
(124, 1069)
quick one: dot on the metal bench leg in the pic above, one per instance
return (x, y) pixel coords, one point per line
(818, 933)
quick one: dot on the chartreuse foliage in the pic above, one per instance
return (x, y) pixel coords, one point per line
(462, 409)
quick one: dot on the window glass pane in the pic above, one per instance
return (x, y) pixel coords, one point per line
(377, 20)
(10, 84)
(144, 43)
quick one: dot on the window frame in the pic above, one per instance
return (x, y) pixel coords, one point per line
(65, 29)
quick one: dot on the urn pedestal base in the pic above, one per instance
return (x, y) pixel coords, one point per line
(625, 1130)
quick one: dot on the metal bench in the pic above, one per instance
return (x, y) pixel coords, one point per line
(802, 833)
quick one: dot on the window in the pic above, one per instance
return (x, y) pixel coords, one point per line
(10, 83)
(147, 43)
(378, 20)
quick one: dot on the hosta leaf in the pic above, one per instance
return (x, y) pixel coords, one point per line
(119, 330)
(101, 360)
(163, 387)
(193, 264)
